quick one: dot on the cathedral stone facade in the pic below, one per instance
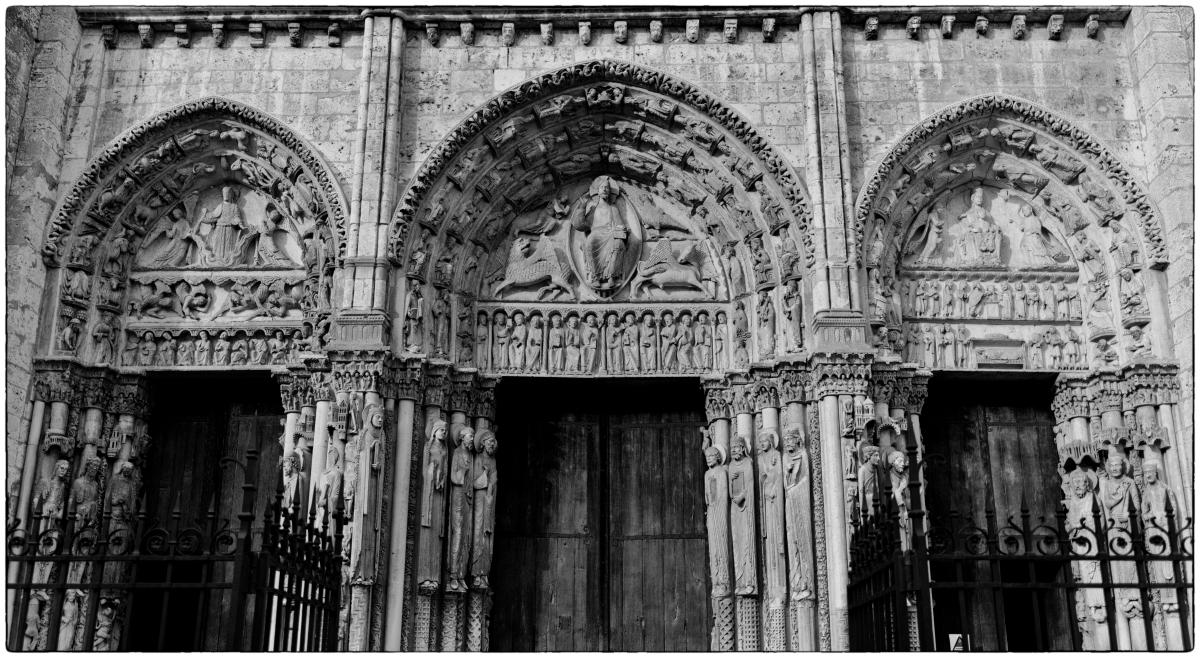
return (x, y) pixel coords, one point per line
(594, 329)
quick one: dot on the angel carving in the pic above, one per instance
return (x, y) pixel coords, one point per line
(927, 236)
(547, 263)
(663, 270)
(1038, 249)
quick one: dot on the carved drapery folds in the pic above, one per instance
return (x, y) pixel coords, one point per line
(1119, 454)
(545, 229)
(455, 511)
(205, 237)
(767, 573)
(998, 236)
(97, 430)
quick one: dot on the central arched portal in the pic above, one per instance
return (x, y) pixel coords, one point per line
(609, 241)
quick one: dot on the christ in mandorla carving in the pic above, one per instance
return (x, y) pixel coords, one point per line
(607, 235)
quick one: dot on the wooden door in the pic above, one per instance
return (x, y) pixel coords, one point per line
(658, 574)
(599, 524)
(1001, 455)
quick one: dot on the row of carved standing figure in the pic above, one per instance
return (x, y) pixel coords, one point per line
(226, 348)
(760, 505)
(1110, 496)
(1003, 300)
(457, 509)
(53, 497)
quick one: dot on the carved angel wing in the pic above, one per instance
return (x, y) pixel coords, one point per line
(661, 254)
(917, 238)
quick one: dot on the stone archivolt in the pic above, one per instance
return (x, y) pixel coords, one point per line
(207, 236)
(605, 183)
(997, 213)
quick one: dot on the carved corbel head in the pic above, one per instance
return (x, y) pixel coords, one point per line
(656, 32)
(433, 33)
(731, 30)
(585, 33)
(547, 34)
(218, 31)
(146, 34)
(466, 32)
(295, 36)
(183, 35)
(768, 30)
(871, 29)
(108, 36)
(981, 25)
(620, 31)
(508, 34)
(334, 33)
(692, 30)
(947, 26)
(913, 28)
(1055, 27)
(1018, 27)
(1093, 26)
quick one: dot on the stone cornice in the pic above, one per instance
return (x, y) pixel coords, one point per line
(1000, 14)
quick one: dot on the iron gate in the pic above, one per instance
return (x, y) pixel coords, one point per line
(1119, 585)
(80, 585)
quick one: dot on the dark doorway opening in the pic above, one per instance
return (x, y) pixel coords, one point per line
(600, 534)
(997, 437)
(195, 422)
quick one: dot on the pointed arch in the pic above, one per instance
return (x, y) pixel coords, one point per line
(712, 220)
(211, 227)
(997, 212)
(150, 137)
(1102, 165)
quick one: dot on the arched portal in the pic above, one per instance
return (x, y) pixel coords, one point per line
(603, 219)
(1000, 236)
(206, 236)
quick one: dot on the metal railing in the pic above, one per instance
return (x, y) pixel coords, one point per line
(119, 584)
(1088, 585)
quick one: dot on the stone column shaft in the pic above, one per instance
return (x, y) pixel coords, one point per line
(836, 543)
(393, 628)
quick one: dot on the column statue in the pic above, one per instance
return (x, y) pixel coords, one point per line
(770, 474)
(484, 472)
(433, 492)
(461, 498)
(741, 519)
(797, 500)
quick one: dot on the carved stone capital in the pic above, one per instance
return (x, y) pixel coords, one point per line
(840, 374)
(437, 384)
(405, 379)
(795, 386)
(485, 398)
(742, 399)
(462, 393)
(1072, 397)
(718, 401)
(1107, 389)
(1150, 384)
(766, 394)
(322, 385)
(131, 396)
(919, 392)
(361, 375)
